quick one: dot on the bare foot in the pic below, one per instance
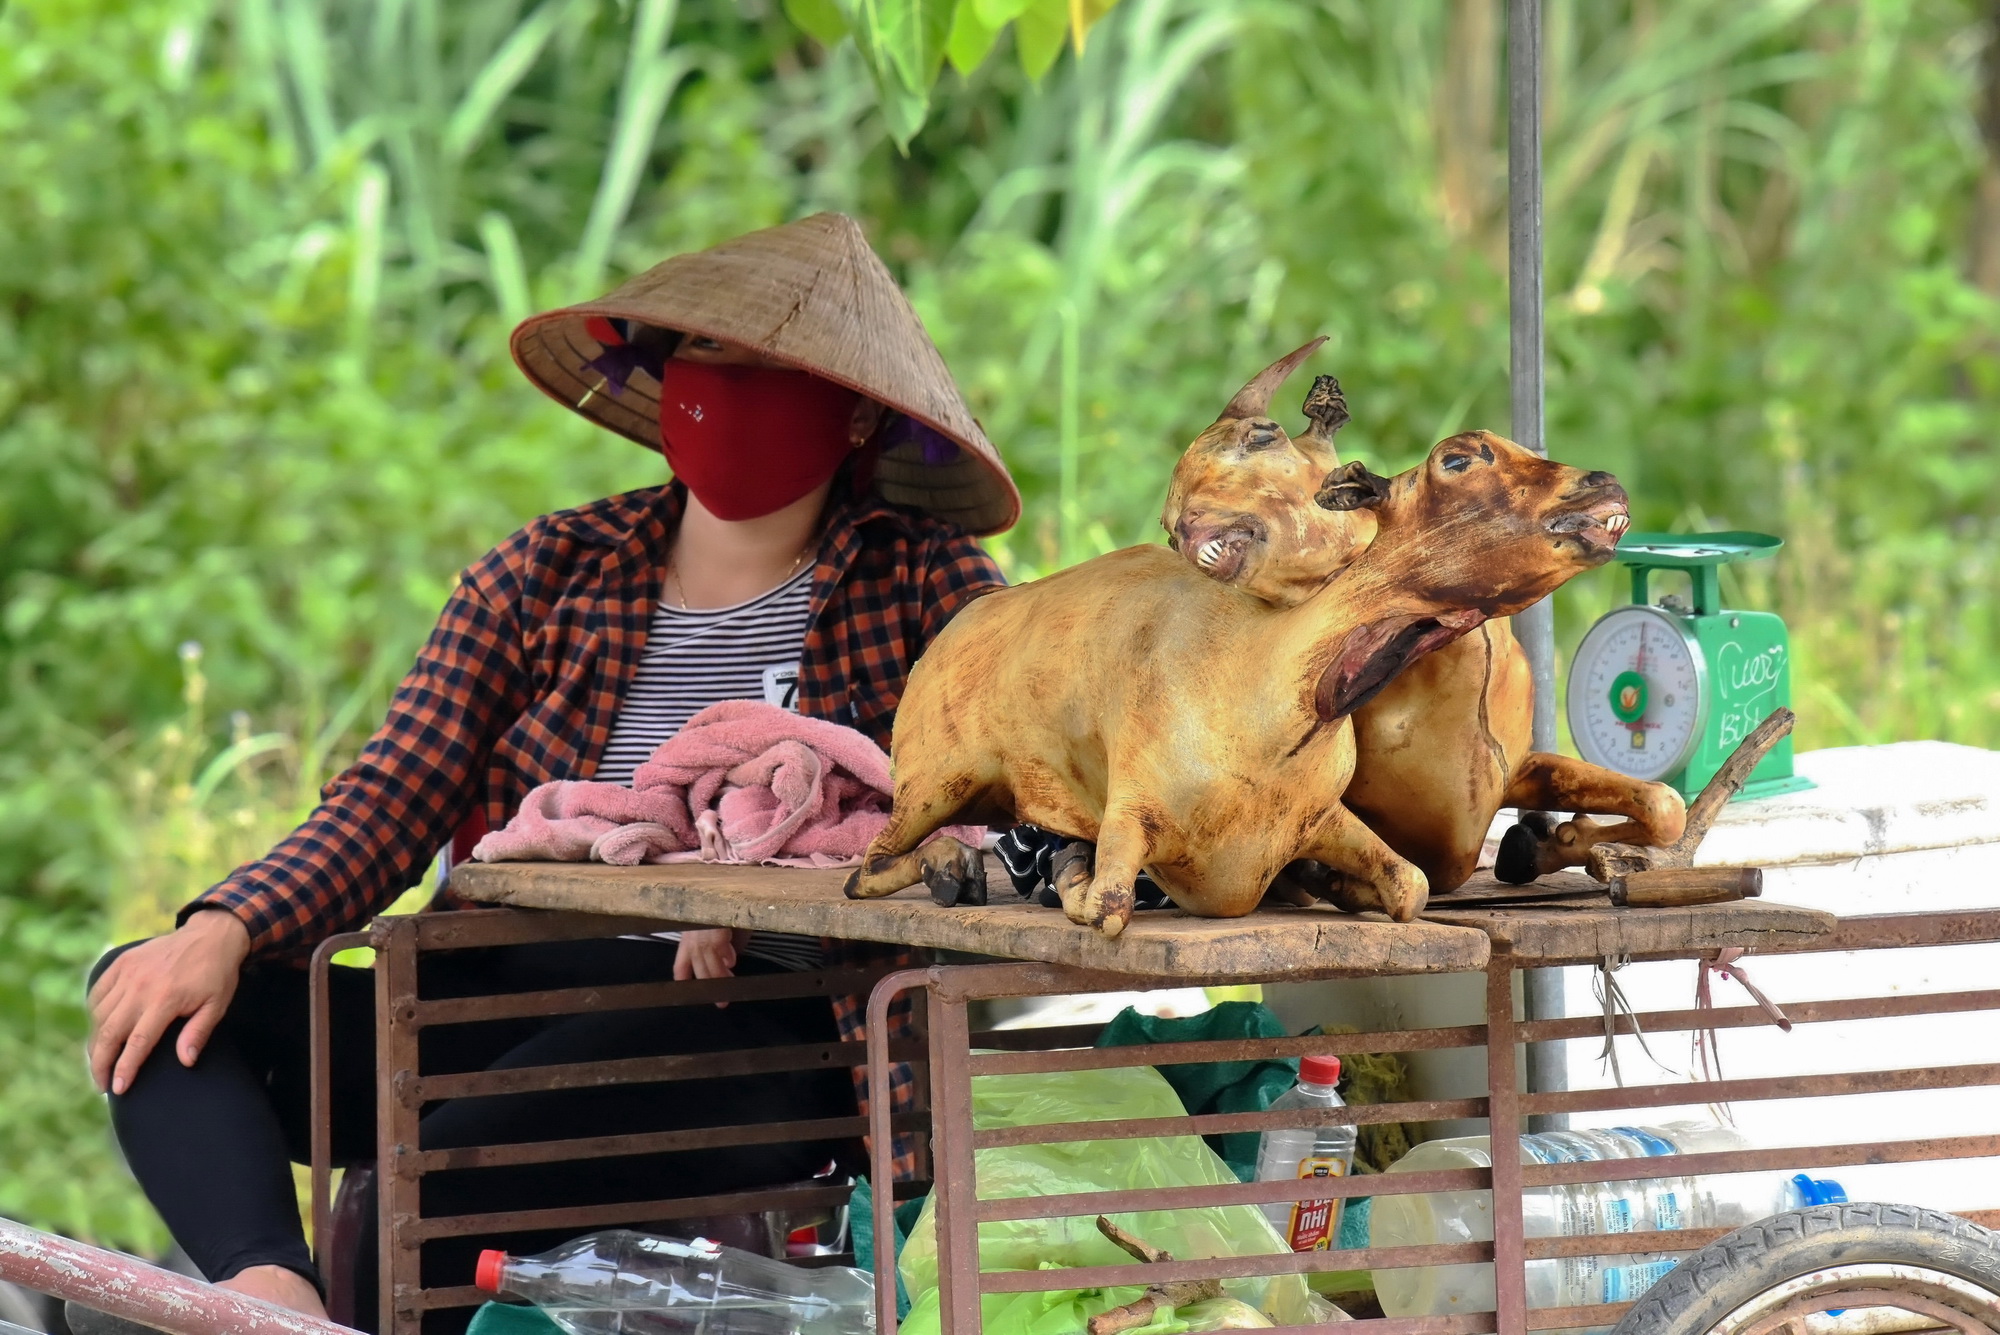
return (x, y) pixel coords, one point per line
(276, 1284)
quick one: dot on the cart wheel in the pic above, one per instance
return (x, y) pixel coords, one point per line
(1771, 1275)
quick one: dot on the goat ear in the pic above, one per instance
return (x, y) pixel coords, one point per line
(1254, 399)
(1370, 656)
(1352, 487)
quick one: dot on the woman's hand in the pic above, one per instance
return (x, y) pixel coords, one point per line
(190, 973)
(708, 953)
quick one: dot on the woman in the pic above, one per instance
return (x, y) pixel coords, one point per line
(827, 475)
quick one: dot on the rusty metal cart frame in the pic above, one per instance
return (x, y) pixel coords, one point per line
(959, 1210)
(403, 1014)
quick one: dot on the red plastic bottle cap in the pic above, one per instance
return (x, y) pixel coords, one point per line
(1319, 1070)
(487, 1275)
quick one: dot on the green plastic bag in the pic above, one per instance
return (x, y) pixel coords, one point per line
(1215, 1087)
(1095, 1165)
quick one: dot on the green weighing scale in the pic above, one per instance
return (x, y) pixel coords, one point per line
(1666, 692)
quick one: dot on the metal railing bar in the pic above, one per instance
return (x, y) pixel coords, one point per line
(1764, 1160)
(642, 996)
(1459, 1323)
(1896, 931)
(1770, 1087)
(431, 1300)
(1563, 1318)
(1210, 1124)
(1235, 1267)
(1245, 1049)
(1623, 1244)
(585, 1217)
(413, 1089)
(1082, 1203)
(1039, 1039)
(471, 929)
(1738, 1017)
(653, 1142)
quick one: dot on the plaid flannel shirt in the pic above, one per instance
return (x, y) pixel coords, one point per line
(522, 679)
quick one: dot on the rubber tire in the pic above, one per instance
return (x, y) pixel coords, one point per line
(1710, 1284)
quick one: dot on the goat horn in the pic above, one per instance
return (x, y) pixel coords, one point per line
(1254, 399)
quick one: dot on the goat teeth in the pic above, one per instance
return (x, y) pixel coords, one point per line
(1210, 553)
(1618, 524)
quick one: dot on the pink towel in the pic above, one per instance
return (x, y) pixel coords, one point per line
(744, 781)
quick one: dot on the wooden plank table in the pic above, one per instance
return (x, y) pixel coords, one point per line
(1586, 930)
(1271, 944)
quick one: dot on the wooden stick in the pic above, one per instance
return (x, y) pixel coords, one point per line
(1729, 780)
(1608, 861)
(1678, 887)
(1179, 1293)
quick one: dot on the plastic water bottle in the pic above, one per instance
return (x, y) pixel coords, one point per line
(1643, 1205)
(624, 1283)
(1290, 1153)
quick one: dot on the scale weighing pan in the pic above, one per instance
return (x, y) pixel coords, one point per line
(1686, 551)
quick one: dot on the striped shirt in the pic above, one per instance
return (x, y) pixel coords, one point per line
(699, 657)
(696, 657)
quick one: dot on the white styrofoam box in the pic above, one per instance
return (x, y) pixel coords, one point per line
(1909, 827)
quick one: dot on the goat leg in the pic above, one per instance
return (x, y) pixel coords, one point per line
(1103, 897)
(1545, 782)
(1323, 883)
(1368, 873)
(1534, 848)
(954, 872)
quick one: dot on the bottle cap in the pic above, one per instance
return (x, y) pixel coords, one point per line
(1319, 1070)
(487, 1275)
(1819, 1190)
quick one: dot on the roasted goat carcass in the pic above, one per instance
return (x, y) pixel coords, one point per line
(1442, 748)
(1192, 730)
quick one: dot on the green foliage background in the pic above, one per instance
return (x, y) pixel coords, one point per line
(258, 259)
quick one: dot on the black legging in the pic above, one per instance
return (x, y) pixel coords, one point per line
(210, 1144)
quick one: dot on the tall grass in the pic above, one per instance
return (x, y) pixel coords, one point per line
(261, 256)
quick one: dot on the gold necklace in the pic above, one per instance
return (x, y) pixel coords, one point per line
(680, 592)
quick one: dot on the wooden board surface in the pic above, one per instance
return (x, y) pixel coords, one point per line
(1271, 944)
(1587, 928)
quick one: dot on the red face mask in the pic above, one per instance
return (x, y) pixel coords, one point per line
(749, 440)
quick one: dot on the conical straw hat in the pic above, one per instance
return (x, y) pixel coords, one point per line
(810, 294)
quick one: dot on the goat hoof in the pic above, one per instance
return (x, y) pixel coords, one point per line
(1520, 856)
(957, 877)
(1070, 868)
(851, 887)
(1114, 910)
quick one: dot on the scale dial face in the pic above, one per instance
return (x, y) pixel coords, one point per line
(1638, 693)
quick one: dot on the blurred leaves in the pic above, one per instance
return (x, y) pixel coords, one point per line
(904, 43)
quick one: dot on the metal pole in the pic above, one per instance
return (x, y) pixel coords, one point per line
(1536, 627)
(123, 1287)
